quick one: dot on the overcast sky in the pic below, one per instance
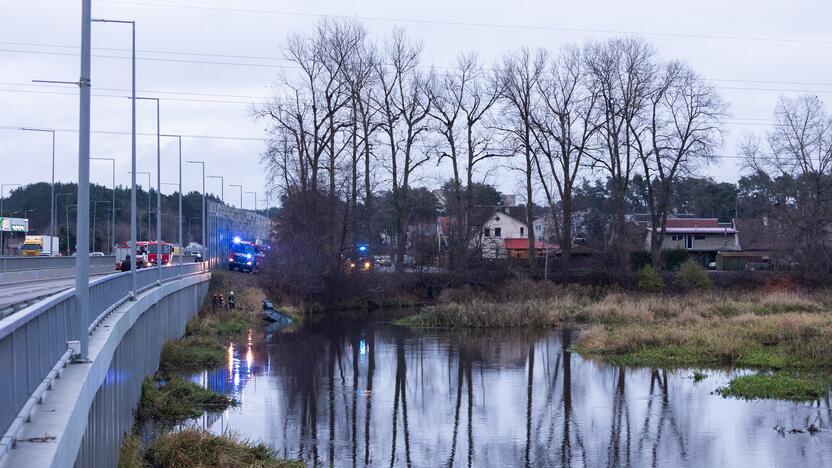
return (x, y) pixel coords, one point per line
(209, 62)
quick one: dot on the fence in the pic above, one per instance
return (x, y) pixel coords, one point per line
(33, 342)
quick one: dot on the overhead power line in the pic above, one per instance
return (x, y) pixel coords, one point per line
(474, 24)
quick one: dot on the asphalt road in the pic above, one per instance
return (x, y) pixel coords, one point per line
(15, 293)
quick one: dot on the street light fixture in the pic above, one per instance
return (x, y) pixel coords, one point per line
(241, 193)
(52, 203)
(113, 206)
(204, 240)
(222, 186)
(158, 187)
(133, 208)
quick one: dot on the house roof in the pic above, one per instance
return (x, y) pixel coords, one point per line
(696, 226)
(522, 243)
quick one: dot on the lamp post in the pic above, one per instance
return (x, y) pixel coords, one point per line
(158, 188)
(222, 186)
(133, 208)
(52, 202)
(241, 193)
(255, 199)
(204, 240)
(113, 206)
(181, 247)
(94, 217)
(2, 187)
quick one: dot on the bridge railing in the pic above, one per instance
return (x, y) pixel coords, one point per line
(48, 263)
(33, 342)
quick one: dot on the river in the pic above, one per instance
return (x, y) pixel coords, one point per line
(364, 392)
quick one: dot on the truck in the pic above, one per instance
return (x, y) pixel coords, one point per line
(35, 246)
(242, 256)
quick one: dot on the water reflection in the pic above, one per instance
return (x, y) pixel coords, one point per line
(372, 394)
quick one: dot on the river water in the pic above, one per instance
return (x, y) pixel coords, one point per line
(368, 393)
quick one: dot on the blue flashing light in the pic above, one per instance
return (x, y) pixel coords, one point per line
(237, 240)
(362, 248)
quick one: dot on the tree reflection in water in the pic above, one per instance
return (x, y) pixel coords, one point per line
(390, 396)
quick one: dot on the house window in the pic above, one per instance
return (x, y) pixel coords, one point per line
(498, 232)
(522, 231)
(675, 238)
(487, 232)
(538, 228)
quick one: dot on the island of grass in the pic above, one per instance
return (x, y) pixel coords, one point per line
(788, 331)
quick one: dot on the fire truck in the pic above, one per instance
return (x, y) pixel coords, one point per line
(146, 253)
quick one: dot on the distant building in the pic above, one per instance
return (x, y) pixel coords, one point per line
(703, 238)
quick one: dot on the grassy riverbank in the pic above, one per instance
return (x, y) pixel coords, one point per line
(169, 399)
(196, 448)
(787, 331)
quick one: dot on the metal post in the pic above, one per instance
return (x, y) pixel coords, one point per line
(82, 245)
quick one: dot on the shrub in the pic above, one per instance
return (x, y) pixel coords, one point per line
(672, 259)
(692, 276)
(639, 259)
(649, 280)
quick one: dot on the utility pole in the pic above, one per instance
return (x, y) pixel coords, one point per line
(255, 199)
(82, 245)
(158, 190)
(133, 207)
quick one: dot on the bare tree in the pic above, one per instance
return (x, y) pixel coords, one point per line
(520, 74)
(799, 147)
(620, 72)
(678, 130)
(403, 106)
(563, 129)
(460, 102)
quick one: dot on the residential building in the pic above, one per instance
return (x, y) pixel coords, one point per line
(703, 238)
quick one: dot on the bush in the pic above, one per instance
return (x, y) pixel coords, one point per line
(649, 280)
(672, 259)
(692, 276)
(639, 259)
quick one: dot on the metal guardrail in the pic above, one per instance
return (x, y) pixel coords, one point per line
(34, 341)
(46, 263)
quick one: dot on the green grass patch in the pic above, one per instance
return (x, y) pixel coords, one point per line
(191, 354)
(193, 448)
(781, 386)
(177, 400)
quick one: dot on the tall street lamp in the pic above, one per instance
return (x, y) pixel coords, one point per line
(3, 187)
(52, 202)
(241, 193)
(113, 206)
(158, 188)
(222, 186)
(204, 240)
(181, 247)
(133, 208)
